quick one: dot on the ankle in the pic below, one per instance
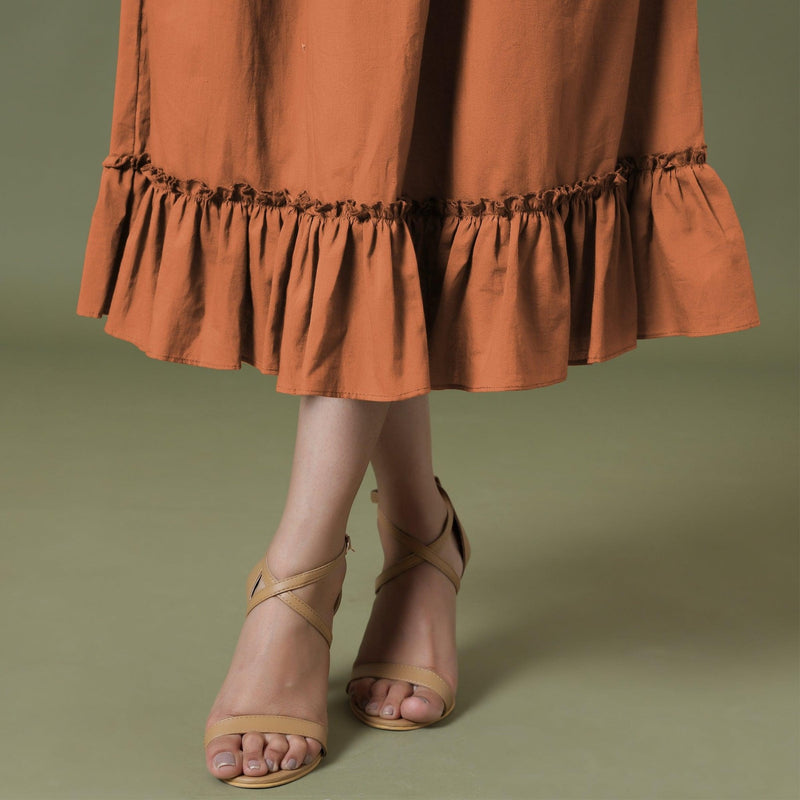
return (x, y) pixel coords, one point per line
(301, 548)
(422, 519)
(285, 561)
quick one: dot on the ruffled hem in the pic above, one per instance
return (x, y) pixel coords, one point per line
(387, 301)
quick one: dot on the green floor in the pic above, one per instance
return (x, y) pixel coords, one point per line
(628, 624)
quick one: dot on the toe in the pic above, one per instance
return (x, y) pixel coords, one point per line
(313, 749)
(377, 696)
(424, 705)
(224, 756)
(253, 762)
(360, 691)
(398, 692)
(296, 753)
(277, 748)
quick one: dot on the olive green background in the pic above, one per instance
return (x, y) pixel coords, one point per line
(628, 624)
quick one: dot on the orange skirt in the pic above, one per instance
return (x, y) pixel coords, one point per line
(373, 200)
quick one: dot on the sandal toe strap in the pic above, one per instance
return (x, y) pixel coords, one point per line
(407, 672)
(268, 723)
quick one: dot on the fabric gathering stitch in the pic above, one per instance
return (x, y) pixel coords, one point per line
(545, 200)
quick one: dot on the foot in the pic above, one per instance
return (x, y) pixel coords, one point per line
(280, 666)
(412, 622)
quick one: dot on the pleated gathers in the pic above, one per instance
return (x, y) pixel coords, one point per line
(375, 200)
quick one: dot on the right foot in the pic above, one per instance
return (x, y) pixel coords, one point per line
(280, 666)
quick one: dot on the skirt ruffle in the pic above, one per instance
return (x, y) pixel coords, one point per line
(390, 301)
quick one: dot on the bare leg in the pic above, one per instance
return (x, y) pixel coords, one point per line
(280, 665)
(413, 616)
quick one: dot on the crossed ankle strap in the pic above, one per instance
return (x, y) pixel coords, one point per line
(424, 552)
(283, 589)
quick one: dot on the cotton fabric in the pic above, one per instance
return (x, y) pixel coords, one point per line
(374, 200)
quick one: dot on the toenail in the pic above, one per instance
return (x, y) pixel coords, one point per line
(253, 764)
(308, 759)
(371, 707)
(270, 765)
(224, 760)
(291, 764)
(388, 711)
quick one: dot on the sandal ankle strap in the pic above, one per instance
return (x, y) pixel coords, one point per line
(421, 552)
(283, 589)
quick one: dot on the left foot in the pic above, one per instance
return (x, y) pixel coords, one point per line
(413, 621)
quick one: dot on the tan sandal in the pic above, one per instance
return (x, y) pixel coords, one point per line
(270, 723)
(406, 672)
